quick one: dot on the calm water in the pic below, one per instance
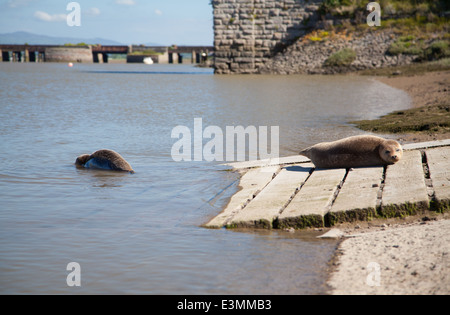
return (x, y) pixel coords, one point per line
(141, 233)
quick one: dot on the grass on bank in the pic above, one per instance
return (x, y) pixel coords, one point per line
(419, 18)
(389, 7)
(343, 57)
(145, 52)
(409, 45)
(429, 119)
(415, 68)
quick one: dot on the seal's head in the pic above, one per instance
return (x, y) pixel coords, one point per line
(391, 151)
(82, 159)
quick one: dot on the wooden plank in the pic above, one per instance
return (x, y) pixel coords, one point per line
(251, 183)
(426, 145)
(313, 201)
(269, 162)
(357, 199)
(261, 211)
(439, 166)
(405, 191)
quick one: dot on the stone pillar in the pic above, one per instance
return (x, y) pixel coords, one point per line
(175, 58)
(249, 33)
(98, 57)
(17, 56)
(26, 57)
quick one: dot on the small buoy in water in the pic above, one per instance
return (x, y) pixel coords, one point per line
(70, 64)
(148, 61)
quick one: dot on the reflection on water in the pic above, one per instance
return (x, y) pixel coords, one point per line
(103, 178)
(142, 233)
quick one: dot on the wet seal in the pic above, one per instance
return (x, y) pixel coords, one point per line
(104, 160)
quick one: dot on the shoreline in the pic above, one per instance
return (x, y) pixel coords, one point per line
(399, 256)
(430, 95)
(426, 89)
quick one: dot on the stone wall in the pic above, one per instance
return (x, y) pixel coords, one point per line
(309, 57)
(268, 37)
(248, 33)
(69, 54)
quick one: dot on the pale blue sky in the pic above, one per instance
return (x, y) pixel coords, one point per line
(166, 22)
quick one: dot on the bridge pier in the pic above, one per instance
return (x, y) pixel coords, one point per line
(41, 57)
(100, 57)
(200, 56)
(248, 36)
(96, 58)
(17, 56)
(26, 56)
(96, 53)
(174, 58)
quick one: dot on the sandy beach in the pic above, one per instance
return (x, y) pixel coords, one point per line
(412, 258)
(399, 256)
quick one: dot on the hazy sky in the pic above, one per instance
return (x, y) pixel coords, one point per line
(165, 22)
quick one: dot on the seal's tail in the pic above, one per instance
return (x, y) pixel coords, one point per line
(306, 152)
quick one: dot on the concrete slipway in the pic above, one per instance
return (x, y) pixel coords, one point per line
(291, 193)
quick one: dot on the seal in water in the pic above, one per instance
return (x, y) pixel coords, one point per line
(105, 160)
(358, 151)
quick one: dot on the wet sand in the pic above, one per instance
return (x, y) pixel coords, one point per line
(405, 256)
(431, 88)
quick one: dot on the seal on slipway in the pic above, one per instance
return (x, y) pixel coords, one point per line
(357, 151)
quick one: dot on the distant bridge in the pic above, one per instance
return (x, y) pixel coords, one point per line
(98, 53)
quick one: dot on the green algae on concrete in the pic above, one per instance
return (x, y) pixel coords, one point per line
(333, 218)
(300, 222)
(403, 210)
